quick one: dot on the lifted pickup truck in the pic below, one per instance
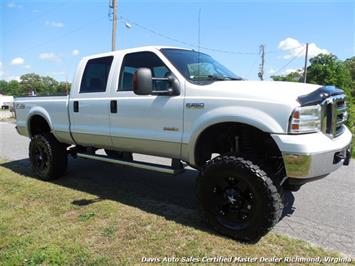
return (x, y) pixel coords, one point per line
(250, 140)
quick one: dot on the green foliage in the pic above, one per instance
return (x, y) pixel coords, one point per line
(31, 82)
(350, 65)
(296, 76)
(109, 231)
(86, 216)
(326, 69)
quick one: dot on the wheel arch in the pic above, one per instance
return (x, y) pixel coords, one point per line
(255, 118)
(38, 121)
(208, 137)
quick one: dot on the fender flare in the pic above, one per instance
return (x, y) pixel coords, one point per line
(243, 115)
(40, 111)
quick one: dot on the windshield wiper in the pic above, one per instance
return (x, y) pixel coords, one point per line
(214, 77)
(220, 77)
(230, 78)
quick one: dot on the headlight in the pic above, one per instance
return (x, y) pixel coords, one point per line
(305, 119)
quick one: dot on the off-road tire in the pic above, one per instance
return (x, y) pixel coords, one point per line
(48, 156)
(267, 204)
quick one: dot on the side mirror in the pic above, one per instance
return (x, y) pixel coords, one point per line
(142, 81)
(175, 84)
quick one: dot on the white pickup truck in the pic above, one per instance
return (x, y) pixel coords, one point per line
(250, 140)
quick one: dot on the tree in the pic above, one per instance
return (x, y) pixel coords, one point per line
(14, 88)
(350, 64)
(31, 82)
(296, 76)
(40, 85)
(63, 88)
(49, 86)
(3, 87)
(326, 69)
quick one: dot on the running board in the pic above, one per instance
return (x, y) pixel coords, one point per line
(136, 164)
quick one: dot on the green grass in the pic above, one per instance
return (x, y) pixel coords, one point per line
(40, 225)
(86, 216)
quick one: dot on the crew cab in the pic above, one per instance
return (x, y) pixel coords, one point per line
(250, 140)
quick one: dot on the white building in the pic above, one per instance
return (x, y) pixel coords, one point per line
(6, 101)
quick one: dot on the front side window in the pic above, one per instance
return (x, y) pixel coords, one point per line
(96, 74)
(131, 62)
(198, 67)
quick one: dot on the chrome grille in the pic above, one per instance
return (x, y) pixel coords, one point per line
(334, 115)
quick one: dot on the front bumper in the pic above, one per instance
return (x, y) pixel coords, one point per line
(310, 156)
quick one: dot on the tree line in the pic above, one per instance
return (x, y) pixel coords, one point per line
(34, 84)
(326, 69)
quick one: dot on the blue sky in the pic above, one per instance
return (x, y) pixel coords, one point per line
(49, 37)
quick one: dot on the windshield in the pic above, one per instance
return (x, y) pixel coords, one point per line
(196, 66)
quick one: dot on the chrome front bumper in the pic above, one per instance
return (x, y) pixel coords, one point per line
(315, 165)
(314, 155)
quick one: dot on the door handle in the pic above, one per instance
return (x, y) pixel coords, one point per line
(76, 106)
(113, 106)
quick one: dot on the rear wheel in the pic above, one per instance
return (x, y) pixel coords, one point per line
(237, 198)
(48, 156)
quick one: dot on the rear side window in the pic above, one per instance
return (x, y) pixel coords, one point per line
(96, 74)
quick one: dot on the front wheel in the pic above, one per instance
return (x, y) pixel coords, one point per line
(48, 156)
(237, 198)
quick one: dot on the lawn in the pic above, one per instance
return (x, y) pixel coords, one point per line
(46, 223)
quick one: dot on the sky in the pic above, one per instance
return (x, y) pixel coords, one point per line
(50, 37)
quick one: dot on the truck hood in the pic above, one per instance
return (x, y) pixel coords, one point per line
(268, 91)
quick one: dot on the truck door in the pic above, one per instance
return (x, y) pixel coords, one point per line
(89, 104)
(147, 124)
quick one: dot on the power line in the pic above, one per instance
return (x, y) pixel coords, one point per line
(63, 35)
(155, 32)
(252, 65)
(121, 18)
(289, 62)
(43, 14)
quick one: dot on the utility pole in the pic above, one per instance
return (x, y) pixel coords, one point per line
(113, 5)
(305, 65)
(262, 53)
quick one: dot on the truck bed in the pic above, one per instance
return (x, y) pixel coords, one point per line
(54, 108)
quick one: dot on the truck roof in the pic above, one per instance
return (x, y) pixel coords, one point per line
(132, 50)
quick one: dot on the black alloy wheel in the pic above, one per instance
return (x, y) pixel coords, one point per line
(237, 198)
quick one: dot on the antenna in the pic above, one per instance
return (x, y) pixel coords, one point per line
(199, 41)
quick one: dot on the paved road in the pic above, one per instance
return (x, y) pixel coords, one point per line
(321, 212)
